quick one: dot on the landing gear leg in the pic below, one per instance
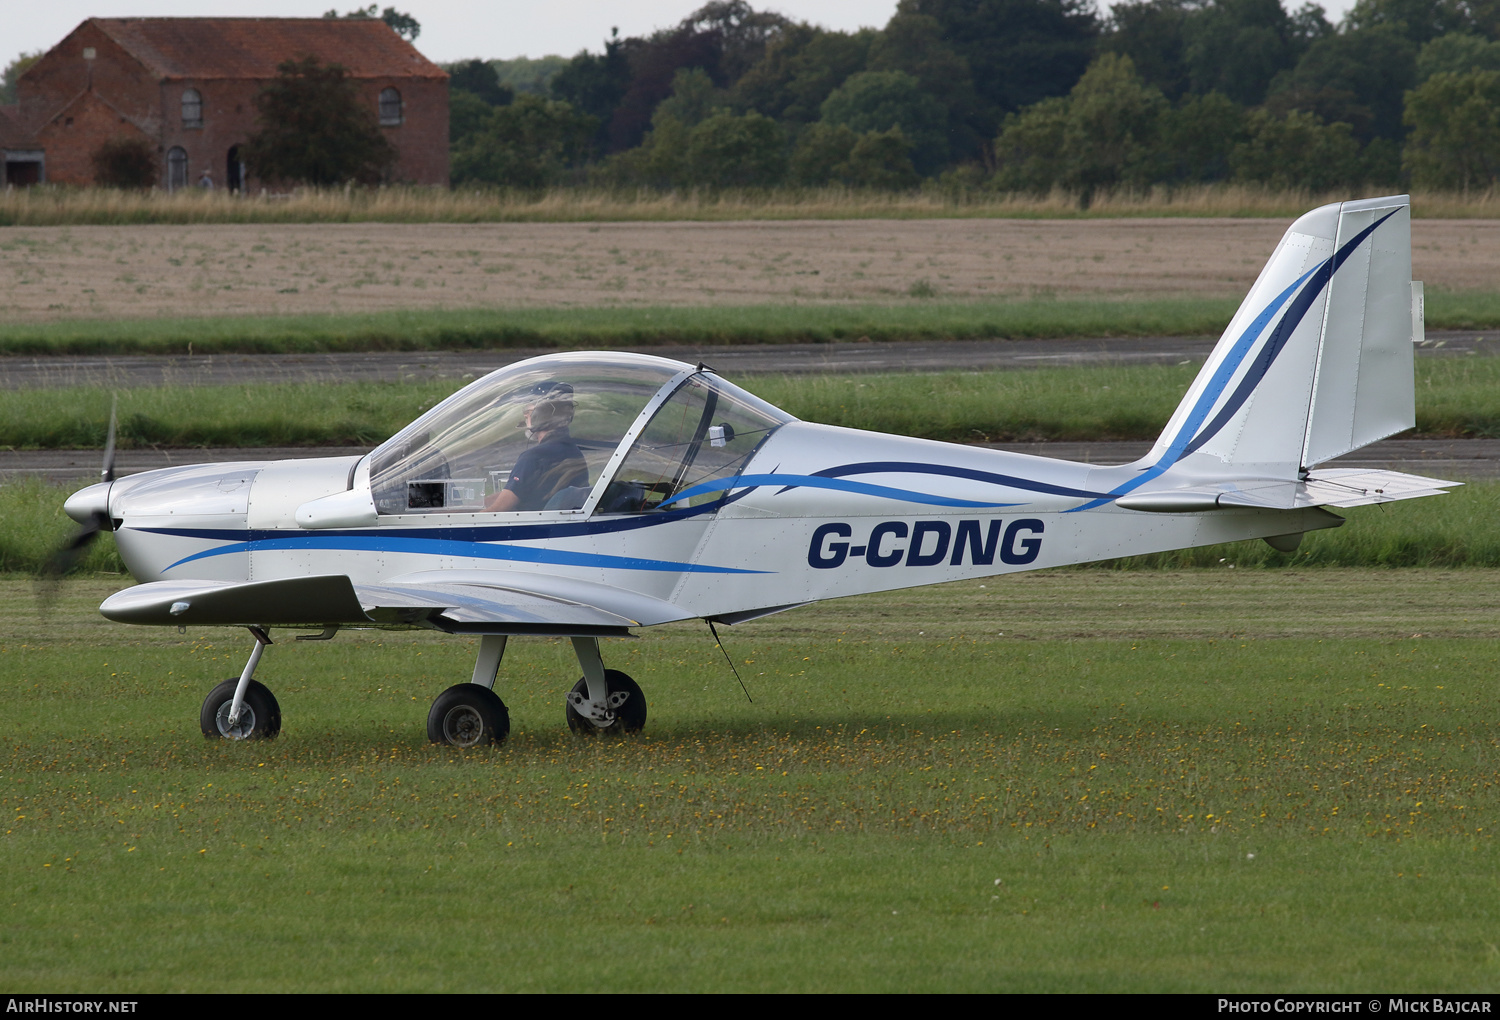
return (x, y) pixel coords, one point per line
(242, 709)
(472, 714)
(604, 700)
(487, 665)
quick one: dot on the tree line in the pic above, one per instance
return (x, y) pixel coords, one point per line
(1012, 95)
(1017, 95)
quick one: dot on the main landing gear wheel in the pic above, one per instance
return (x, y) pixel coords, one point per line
(627, 706)
(260, 715)
(468, 715)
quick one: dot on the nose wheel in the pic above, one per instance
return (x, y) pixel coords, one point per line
(241, 708)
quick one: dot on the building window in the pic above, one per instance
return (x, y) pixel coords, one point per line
(192, 109)
(390, 107)
(176, 168)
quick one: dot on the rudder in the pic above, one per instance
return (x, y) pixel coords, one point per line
(1316, 362)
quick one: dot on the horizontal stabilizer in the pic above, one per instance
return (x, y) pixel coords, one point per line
(1336, 487)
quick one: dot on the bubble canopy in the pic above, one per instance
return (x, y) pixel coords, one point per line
(602, 433)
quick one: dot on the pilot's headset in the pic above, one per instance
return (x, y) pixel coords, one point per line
(551, 407)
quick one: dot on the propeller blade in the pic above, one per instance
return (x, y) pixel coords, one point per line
(72, 552)
(108, 473)
(68, 556)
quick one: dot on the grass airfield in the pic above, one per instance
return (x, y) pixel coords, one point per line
(1206, 780)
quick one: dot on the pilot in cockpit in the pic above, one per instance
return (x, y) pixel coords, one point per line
(555, 463)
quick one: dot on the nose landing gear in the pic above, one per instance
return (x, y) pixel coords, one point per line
(242, 708)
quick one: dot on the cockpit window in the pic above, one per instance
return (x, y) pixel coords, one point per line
(692, 449)
(535, 436)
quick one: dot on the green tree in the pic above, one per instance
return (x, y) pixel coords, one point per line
(733, 151)
(1018, 51)
(1457, 53)
(661, 160)
(13, 72)
(403, 25)
(530, 143)
(1029, 153)
(822, 150)
(1097, 137)
(1297, 151)
(125, 163)
(595, 84)
(801, 67)
(1417, 20)
(914, 44)
(1454, 137)
(313, 127)
(1195, 140)
(881, 159)
(1150, 33)
(467, 113)
(833, 154)
(1238, 46)
(478, 78)
(741, 32)
(881, 100)
(529, 74)
(693, 100)
(1359, 78)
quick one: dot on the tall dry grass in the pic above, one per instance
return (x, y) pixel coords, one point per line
(66, 206)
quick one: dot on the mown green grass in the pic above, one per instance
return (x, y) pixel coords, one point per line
(1196, 781)
(1455, 397)
(584, 328)
(591, 327)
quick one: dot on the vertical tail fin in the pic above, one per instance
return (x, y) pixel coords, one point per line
(1318, 359)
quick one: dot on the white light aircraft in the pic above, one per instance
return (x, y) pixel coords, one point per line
(585, 494)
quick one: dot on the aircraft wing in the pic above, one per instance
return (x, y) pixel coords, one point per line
(335, 599)
(1338, 487)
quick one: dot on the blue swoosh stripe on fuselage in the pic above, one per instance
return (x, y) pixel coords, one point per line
(475, 550)
(836, 484)
(974, 474)
(473, 533)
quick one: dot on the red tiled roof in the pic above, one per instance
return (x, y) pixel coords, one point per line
(253, 47)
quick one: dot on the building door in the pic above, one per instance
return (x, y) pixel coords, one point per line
(22, 173)
(177, 163)
(234, 173)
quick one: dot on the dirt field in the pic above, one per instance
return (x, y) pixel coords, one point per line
(93, 272)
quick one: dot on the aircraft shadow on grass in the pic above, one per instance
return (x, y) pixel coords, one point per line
(582, 495)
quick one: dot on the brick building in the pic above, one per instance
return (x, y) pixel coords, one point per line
(188, 86)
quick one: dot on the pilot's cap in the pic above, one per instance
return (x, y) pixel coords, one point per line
(550, 405)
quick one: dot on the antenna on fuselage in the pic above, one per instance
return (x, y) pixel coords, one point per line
(715, 632)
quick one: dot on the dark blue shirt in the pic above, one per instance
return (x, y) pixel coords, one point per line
(553, 464)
